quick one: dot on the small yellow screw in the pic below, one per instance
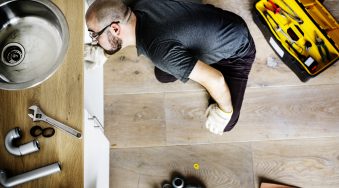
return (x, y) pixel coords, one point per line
(196, 166)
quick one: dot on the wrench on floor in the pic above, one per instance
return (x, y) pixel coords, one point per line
(38, 115)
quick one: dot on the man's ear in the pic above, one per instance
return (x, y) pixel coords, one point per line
(116, 28)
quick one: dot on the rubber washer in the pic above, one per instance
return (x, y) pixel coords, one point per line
(48, 132)
(36, 131)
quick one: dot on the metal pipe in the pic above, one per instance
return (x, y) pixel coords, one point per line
(3, 78)
(28, 176)
(178, 183)
(24, 149)
(166, 186)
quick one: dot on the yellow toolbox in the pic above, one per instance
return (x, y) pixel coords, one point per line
(302, 32)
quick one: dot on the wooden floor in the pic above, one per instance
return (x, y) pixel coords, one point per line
(288, 130)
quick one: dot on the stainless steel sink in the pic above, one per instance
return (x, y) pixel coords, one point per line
(34, 39)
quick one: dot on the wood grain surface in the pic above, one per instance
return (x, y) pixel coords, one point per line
(220, 166)
(135, 120)
(291, 126)
(332, 6)
(178, 118)
(302, 163)
(60, 97)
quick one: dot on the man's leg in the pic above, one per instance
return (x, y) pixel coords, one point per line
(162, 76)
(236, 74)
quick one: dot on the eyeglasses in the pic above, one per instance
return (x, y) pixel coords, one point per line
(95, 35)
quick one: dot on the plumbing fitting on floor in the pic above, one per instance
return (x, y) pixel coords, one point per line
(6, 181)
(21, 150)
(179, 182)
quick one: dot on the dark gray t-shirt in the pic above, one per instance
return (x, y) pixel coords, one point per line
(174, 34)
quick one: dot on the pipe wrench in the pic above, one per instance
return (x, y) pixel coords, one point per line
(37, 115)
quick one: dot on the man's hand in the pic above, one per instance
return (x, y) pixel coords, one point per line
(217, 119)
(215, 84)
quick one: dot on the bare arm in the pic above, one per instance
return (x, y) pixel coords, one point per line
(215, 84)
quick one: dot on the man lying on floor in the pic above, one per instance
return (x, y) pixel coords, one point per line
(184, 40)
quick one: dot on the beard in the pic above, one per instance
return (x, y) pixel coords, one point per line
(115, 42)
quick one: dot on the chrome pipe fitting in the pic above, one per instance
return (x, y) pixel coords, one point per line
(24, 149)
(28, 176)
(178, 183)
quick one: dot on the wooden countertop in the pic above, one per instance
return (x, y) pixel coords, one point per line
(60, 97)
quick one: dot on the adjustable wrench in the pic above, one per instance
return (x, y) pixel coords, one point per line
(38, 115)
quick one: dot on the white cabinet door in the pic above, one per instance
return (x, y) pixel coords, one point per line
(96, 145)
(96, 154)
(94, 92)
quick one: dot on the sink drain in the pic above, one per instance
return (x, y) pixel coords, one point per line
(12, 54)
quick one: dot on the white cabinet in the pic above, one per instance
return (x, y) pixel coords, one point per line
(96, 145)
(96, 155)
(94, 92)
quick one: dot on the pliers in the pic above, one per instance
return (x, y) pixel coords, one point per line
(322, 48)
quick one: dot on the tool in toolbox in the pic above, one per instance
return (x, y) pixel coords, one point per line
(270, 5)
(308, 45)
(311, 64)
(299, 55)
(38, 115)
(303, 33)
(291, 41)
(295, 15)
(277, 28)
(321, 48)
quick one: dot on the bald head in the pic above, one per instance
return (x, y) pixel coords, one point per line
(104, 12)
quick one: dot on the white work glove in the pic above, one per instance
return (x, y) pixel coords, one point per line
(94, 56)
(217, 119)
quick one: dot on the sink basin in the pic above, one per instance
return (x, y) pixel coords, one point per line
(34, 39)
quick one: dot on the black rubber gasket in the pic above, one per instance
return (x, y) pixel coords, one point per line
(36, 131)
(48, 132)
